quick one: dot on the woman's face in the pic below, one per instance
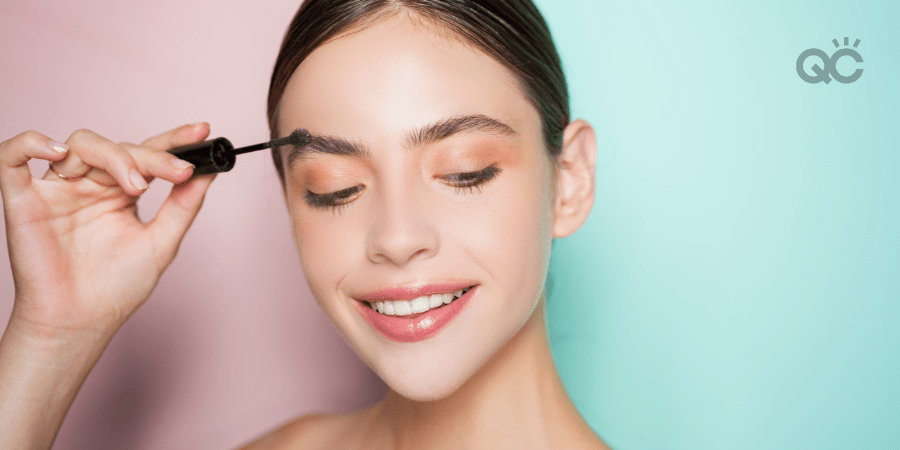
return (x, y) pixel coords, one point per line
(428, 175)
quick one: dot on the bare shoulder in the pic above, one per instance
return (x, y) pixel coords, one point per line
(313, 431)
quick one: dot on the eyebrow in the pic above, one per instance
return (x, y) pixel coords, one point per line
(417, 138)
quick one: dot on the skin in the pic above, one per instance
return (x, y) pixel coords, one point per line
(491, 368)
(82, 262)
(486, 381)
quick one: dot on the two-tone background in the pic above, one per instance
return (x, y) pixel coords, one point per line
(737, 285)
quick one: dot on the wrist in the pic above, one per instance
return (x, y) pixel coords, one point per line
(53, 327)
(43, 345)
(41, 371)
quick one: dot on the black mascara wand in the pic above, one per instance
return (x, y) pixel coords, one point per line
(218, 155)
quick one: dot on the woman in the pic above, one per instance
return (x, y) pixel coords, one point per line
(442, 166)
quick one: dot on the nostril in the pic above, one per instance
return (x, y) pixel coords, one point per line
(394, 247)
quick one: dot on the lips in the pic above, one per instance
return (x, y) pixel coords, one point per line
(414, 314)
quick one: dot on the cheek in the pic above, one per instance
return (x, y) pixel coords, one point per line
(326, 247)
(513, 230)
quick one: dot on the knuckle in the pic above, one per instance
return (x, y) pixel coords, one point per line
(128, 147)
(81, 134)
(34, 139)
(122, 159)
(29, 138)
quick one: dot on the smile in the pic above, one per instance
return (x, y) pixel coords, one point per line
(416, 305)
(412, 315)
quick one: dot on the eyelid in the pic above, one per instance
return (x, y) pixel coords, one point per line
(472, 180)
(460, 180)
(476, 176)
(334, 199)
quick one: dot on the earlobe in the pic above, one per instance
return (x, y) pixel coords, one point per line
(574, 167)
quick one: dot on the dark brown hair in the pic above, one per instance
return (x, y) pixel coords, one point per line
(511, 31)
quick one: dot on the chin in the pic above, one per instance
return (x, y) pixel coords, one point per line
(438, 367)
(424, 388)
(434, 371)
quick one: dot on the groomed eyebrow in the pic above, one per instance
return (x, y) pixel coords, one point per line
(476, 123)
(327, 144)
(417, 138)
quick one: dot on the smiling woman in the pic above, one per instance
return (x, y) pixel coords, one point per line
(442, 165)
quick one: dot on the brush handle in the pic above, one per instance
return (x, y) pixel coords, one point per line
(213, 156)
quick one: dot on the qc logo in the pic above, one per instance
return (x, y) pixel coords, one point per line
(830, 71)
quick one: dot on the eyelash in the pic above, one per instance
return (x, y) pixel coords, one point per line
(461, 181)
(334, 200)
(472, 180)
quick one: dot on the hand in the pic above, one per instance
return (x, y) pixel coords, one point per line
(82, 260)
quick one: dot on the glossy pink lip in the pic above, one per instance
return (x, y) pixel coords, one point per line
(409, 293)
(414, 327)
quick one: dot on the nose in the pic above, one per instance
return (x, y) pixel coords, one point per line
(402, 230)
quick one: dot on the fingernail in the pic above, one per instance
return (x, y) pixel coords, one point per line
(181, 164)
(57, 146)
(137, 180)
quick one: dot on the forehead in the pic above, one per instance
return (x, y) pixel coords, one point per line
(375, 83)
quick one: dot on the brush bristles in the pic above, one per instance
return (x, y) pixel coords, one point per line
(298, 138)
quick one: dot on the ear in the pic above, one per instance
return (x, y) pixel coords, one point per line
(574, 194)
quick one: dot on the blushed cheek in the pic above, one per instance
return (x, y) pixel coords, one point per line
(323, 255)
(516, 228)
(536, 228)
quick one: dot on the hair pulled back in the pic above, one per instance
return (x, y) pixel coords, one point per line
(511, 31)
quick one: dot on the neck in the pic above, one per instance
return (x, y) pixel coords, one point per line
(515, 401)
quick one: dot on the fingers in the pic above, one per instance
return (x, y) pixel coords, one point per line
(15, 153)
(107, 163)
(177, 213)
(159, 164)
(183, 135)
(89, 150)
(87, 154)
(181, 207)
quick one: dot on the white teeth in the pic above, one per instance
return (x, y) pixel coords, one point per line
(402, 307)
(417, 305)
(435, 300)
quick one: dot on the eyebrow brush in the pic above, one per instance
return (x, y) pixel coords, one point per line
(218, 155)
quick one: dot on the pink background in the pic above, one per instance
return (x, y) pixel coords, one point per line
(231, 343)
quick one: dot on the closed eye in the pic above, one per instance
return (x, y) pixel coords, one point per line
(471, 180)
(332, 199)
(461, 181)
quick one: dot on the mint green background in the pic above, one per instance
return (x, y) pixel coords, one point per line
(738, 283)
